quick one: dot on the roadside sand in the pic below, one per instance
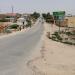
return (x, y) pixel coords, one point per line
(13, 33)
(2, 35)
(55, 58)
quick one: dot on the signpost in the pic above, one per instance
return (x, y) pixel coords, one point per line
(59, 16)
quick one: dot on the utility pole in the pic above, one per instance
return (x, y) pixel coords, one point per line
(12, 9)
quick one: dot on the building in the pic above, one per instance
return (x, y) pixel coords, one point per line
(21, 22)
(2, 16)
(9, 17)
(12, 17)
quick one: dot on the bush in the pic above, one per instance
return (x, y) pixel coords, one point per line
(3, 20)
(58, 36)
(48, 18)
(7, 31)
(35, 15)
(14, 26)
(68, 33)
(70, 43)
(53, 37)
(28, 23)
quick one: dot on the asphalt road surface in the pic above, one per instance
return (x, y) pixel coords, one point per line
(14, 49)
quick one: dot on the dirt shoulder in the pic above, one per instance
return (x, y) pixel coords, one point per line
(55, 58)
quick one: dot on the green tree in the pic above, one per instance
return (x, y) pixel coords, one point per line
(48, 17)
(28, 23)
(44, 15)
(35, 15)
(14, 26)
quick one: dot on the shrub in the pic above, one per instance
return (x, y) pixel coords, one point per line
(3, 20)
(7, 31)
(58, 36)
(70, 43)
(14, 26)
(68, 33)
(35, 15)
(48, 18)
(28, 23)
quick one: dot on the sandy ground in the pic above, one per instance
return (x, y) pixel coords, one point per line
(2, 35)
(54, 58)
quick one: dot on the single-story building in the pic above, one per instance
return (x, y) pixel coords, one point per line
(21, 22)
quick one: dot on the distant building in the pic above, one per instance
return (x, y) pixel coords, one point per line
(2, 16)
(26, 16)
(21, 21)
(12, 17)
(11, 14)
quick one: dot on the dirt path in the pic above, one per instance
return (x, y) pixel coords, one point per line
(55, 58)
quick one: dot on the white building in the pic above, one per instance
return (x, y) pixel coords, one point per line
(21, 22)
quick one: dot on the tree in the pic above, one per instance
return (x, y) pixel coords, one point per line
(35, 15)
(28, 23)
(44, 16)
(14, 26)
(48, 18)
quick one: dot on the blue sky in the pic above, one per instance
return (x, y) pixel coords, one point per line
(37, 5)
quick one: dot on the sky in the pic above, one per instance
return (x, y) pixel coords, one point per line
(28, 6)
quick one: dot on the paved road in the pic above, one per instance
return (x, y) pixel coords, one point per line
(16, 48)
